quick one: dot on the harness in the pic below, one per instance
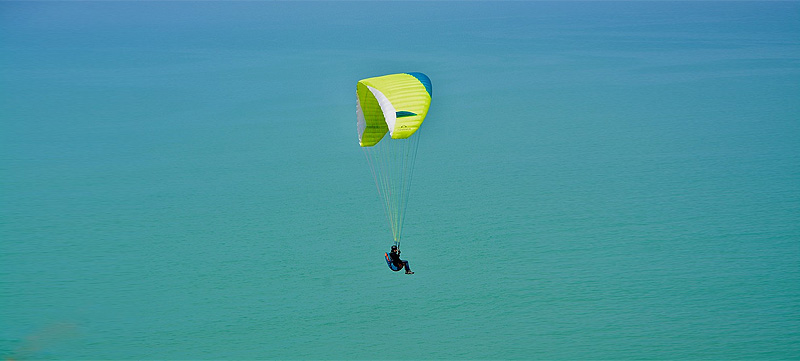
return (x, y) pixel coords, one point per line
(391, 264)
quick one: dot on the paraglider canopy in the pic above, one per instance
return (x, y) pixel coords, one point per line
(396, 103)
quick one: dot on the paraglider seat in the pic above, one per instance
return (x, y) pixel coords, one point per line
(391, 264)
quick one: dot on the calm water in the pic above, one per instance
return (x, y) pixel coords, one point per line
(596, 181)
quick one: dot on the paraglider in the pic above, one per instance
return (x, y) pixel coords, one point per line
(395, 263)
(395, 104)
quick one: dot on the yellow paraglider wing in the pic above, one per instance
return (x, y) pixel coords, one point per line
(397, 103)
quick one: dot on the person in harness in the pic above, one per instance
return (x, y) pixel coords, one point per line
(399, 263)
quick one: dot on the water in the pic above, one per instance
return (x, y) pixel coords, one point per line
(596, 181)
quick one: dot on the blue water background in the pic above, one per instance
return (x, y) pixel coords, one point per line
(596, 181)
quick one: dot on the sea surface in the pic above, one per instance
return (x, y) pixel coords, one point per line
(595, 181)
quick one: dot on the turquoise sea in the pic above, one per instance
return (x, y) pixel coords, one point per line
(595, 181)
